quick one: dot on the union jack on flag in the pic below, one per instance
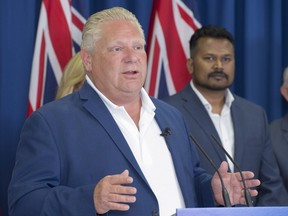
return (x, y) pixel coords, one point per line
(171, 26)
(58, 38)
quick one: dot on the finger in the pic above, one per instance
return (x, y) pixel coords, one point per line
(119, 198)
(118, 206)
(242, 199)
(249, 183)
(119, 189)
(125, 173)
(107, 206)
(247, 175)
(223, 167)
(252, 183)
(253, 192)
(122, 178)
(115, 202)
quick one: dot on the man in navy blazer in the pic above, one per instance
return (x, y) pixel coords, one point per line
(279, 134)
(209, 108)
(110, 149)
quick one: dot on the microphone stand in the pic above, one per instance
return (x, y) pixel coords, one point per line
(225, 194)
(246, 192)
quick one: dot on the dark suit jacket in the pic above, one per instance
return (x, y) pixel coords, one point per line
(279, 137)
(253, 150)
(68, 145)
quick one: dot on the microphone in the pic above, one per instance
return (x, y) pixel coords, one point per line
(166, 132)
(246, 192)
(225, 194)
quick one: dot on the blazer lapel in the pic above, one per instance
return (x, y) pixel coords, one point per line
(95, 106)
(237, 118)
(163, 123)
(196, 109)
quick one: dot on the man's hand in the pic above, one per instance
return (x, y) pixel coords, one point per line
(233, 184)
(110, 194)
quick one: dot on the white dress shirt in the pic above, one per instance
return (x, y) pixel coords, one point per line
(223, 122)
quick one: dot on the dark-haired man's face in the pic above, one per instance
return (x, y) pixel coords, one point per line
(212, 65)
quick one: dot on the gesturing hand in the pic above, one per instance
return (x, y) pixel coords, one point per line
(233, 184)
(110, 194)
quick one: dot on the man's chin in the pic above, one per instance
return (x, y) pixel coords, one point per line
(217, 87)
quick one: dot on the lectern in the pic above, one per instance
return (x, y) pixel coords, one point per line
(235, 211)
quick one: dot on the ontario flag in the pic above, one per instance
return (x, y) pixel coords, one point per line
(58, 38)
(171, 25)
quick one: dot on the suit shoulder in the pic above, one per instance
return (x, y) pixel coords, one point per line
(247, 104)
(172, 98)
(275, 122)
(175, 100)
(164, 106)
(275, 125)
(61, 105)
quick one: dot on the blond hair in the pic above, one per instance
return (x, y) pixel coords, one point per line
(92, 29)
(72, 78)
(285, 78)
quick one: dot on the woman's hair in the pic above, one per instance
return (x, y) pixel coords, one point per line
(285, 78)
(72, 78)
(92, 29)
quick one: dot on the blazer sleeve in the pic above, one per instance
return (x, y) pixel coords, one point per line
(35, 188)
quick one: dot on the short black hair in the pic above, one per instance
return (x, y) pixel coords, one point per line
(210, 31)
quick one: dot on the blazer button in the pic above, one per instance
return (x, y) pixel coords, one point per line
(155, 213)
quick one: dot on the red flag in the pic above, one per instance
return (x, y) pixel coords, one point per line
(171, 25)
(59, 26)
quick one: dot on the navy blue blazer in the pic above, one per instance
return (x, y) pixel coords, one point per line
(279, 137)
(253, 149)
(68, 145)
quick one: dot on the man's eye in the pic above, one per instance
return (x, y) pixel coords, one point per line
(209, 58)
(226, 59)
(116, 49)
(139, 48)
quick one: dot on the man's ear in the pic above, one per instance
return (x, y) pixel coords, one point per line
(189, 65)
(284, 92)
(87, 60)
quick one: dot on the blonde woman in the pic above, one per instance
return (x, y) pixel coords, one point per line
(73, 77)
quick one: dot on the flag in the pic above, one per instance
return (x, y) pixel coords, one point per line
(172, 23)
(58, 38)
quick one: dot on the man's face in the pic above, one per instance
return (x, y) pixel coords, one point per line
(119, 62)
(212, 65)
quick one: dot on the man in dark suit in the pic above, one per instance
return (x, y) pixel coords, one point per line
(209, 108)
(279, 135)
(100, 149)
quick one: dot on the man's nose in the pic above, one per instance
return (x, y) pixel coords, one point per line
(131, 56)
(218, 65)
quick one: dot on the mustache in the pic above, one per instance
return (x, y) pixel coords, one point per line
(218, 73)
